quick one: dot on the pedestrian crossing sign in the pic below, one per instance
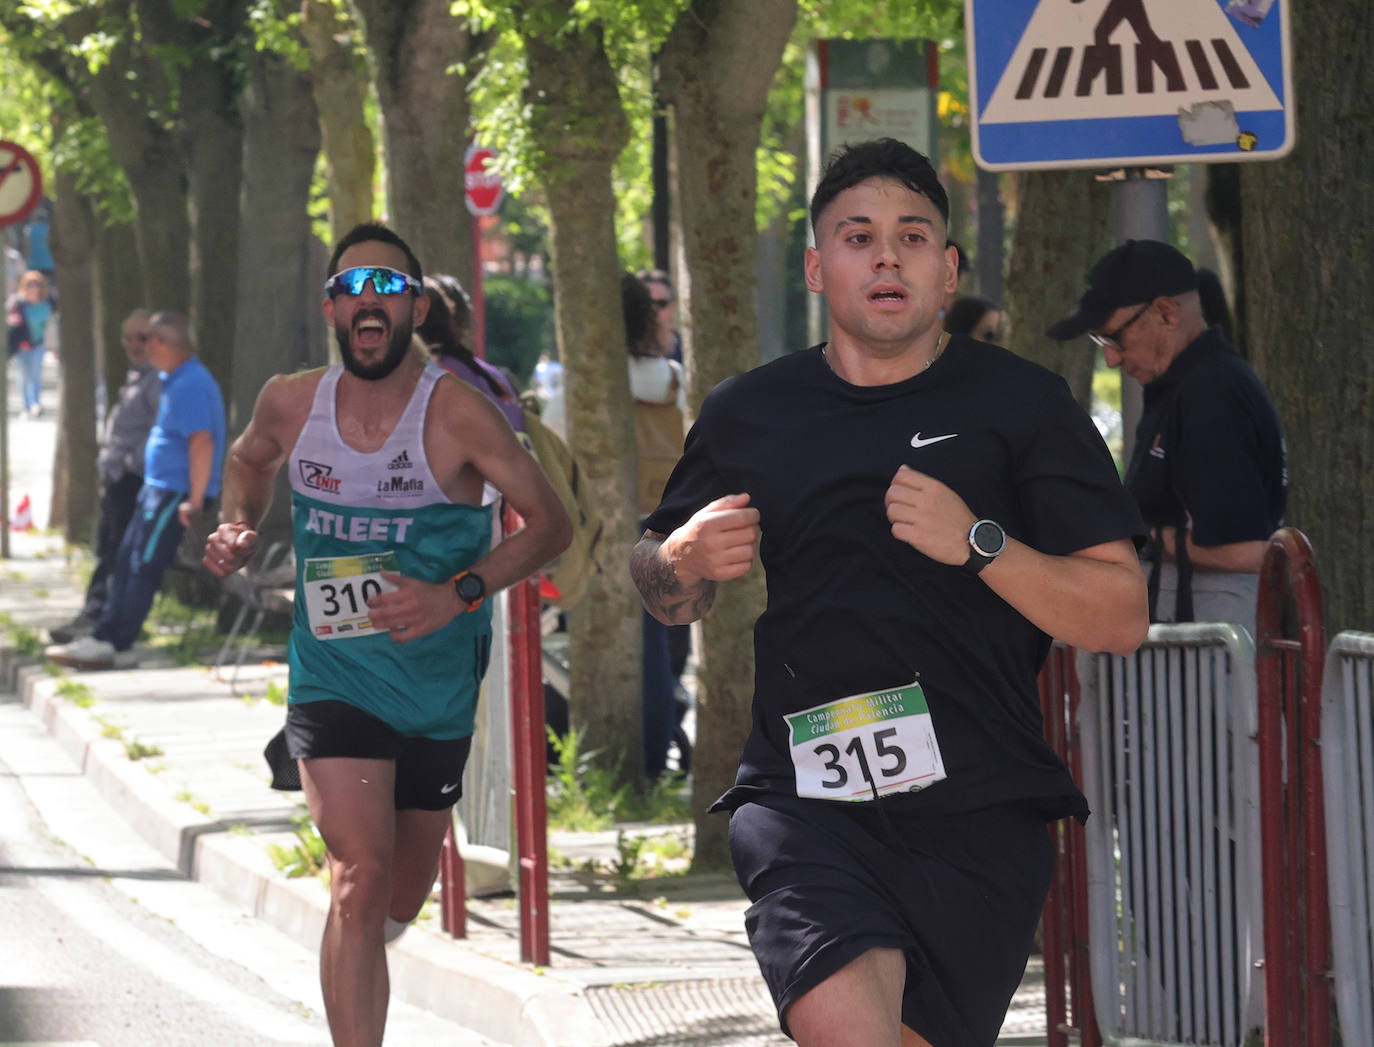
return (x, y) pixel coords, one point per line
(1137, 83)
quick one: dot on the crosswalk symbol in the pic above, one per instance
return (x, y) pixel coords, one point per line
(1113, 58)
(1170, 69)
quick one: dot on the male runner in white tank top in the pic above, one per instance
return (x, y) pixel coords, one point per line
(389, 638)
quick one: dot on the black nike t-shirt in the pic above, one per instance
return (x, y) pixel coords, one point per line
(852, 609)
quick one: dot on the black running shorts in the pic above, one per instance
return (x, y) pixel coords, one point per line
(961, 896)
(429, 771)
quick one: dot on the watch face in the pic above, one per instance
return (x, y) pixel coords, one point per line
(988, 538)
(471, 588)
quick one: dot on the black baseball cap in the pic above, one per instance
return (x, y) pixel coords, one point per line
(1136, 272)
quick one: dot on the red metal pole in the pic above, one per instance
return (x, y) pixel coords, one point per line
(527, 729)
(1293, 848)
(1312, 641)
(1054, 920)
(1084, 1011)
(453, 909)
(1067, 966)
(1278, 995)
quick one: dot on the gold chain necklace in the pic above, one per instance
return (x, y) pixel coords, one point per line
(940, 344)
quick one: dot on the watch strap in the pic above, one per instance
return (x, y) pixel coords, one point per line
(457, 578)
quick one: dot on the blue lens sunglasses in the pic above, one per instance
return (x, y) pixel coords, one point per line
(384, 281)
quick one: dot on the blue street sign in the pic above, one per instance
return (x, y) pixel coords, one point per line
(1137, 83)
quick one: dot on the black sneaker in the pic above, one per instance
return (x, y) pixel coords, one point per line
(80, 626)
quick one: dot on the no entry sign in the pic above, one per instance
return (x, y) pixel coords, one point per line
(483, 184)
(21, 183)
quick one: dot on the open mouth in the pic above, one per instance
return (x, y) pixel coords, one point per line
(887, 295)
(369, 329)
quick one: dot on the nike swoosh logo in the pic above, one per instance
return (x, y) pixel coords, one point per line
(446, 789)
(916, 440)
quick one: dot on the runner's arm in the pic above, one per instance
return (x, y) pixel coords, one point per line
(249, 473)
(477, 426)
(677, 573)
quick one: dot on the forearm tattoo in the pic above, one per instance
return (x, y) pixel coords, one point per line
(664, 596)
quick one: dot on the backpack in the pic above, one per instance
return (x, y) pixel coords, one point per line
(569, 573)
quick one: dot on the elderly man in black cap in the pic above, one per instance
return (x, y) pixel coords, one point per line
(1208, 466)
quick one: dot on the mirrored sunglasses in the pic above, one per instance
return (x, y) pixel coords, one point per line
(384, 281)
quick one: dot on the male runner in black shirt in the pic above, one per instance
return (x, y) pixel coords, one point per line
(930, 511)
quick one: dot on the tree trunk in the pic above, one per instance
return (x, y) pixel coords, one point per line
(413, 44)
(154, 165)
(213, 136)
(76, 483)
(210, 135)
(577, 119)
(715, 72)
(281, 143)
(1308, 264)
(339, 76)
(119, 291)
(1062, 226)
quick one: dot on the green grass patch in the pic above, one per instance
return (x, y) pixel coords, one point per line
(306, 857)
(188, 798)
(27, 642)
(76, 692)
(585, 795)
(136, 750)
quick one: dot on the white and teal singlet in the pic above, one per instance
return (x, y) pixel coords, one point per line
(355, 515)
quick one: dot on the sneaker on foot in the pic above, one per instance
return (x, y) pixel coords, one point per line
(85, 653)
(125, 659)
(78, 627)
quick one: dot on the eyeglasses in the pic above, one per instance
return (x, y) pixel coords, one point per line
(1112, 339)
(384, 281)
(661, 303)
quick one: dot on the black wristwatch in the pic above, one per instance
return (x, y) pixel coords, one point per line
(986, 540)
(471, 589)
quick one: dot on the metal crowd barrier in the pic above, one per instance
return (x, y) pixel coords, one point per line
(1347, 743)
(1290, 647)
(1069, 1013)
(1171, 772)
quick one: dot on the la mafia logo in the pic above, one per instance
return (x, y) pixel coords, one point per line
(319, 477)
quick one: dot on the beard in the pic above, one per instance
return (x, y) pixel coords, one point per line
(395, 353)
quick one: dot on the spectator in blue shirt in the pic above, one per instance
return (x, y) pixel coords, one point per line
(183, 462)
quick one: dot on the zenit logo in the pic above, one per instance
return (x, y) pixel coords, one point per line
(318, 477)
(401, 461)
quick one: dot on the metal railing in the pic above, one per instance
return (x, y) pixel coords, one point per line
(1347, 743)
(1289, 670)
(1171, 772)
(1068, 980)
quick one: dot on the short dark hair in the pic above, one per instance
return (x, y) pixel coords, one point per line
(365, 232)
(879, 158)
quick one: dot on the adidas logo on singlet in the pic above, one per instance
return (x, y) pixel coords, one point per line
(401, 461)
